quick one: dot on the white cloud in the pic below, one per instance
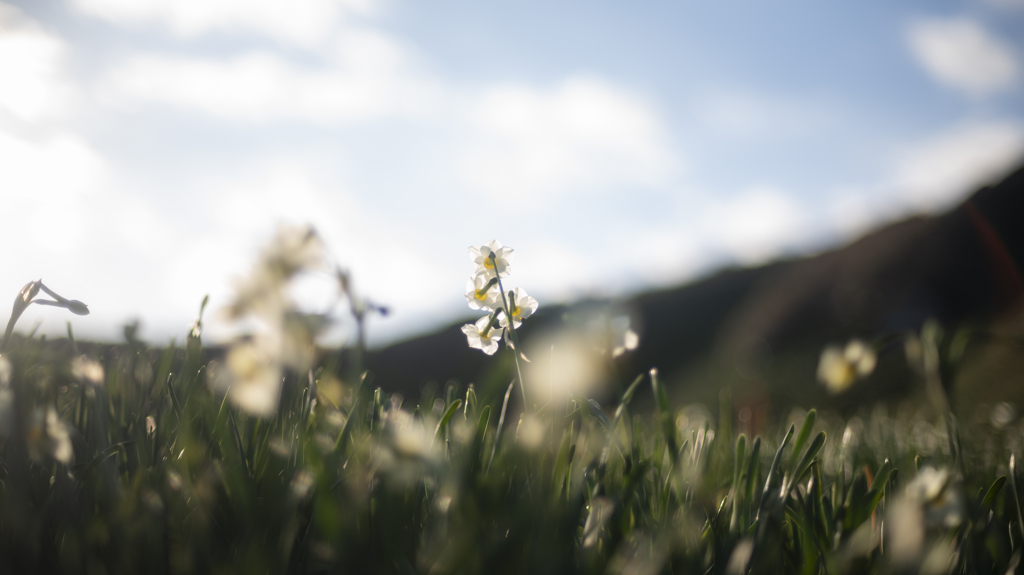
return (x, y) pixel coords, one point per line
(757, 224)
(54, 170)
(935, 173)
(852, 211)
(960, 53)
(583, 133)
(930, 175)
(302, 23)
(660, 255)
(751, 115)
(369, 77)
(32, 85)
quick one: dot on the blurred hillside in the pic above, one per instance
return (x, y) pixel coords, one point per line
(758, 332)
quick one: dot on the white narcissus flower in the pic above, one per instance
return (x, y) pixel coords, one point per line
(255, 377)
(521, 306)
(483, 293)
(938, 495)
(834, 371)
(485, 266)
(87, 370)
(861, 356)
(48, 436)
(838, 368)
(932, 500)
(530, 433)
(408, 436)
(482, 336)
(263, 291)
(625, 338)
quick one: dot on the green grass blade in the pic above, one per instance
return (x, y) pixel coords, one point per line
(1016, 494)
(805, 461)
(805, 432)
(443, 424)
(769, 482)
(668, 425)
(993, 491)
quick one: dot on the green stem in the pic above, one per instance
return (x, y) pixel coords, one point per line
(512, 331)
(21, 303)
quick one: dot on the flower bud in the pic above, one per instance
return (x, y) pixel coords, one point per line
(30, 291)
(78, 308)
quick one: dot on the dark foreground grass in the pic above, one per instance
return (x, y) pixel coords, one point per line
(165, 476)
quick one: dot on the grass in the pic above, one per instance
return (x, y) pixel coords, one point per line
(167, 476)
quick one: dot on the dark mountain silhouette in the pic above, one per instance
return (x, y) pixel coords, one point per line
(759, 331)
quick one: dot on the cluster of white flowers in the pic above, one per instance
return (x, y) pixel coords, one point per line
(485, 292)
(839, 367)
(255, 363)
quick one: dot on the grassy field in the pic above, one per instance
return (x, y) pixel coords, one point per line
(127, 459)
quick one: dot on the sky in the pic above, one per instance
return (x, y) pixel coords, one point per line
(148, 148)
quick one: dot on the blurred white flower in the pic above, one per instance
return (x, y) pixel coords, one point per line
(485, 265)
(565, 365)
(255, 378)
(905, 528)
(302, 484)
(174, 480)
(262, 292)
(483, 293)
(625, 339)
(409, 437)
(927, 484)
(834, 371)
(87, 370)
(530, 433)
(740, 557)
(1003, 415)
(335, 418)
(298, 333)
(609, 335)
(939, 497)
(48, 437)
(287, 335)
(931, 500)
(839, 368)
(482, 335)
(861, 356)
(521, 306)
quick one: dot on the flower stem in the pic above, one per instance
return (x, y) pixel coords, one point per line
(21, 303)
(512, 331)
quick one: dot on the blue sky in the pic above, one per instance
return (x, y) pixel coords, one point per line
(148, 147)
